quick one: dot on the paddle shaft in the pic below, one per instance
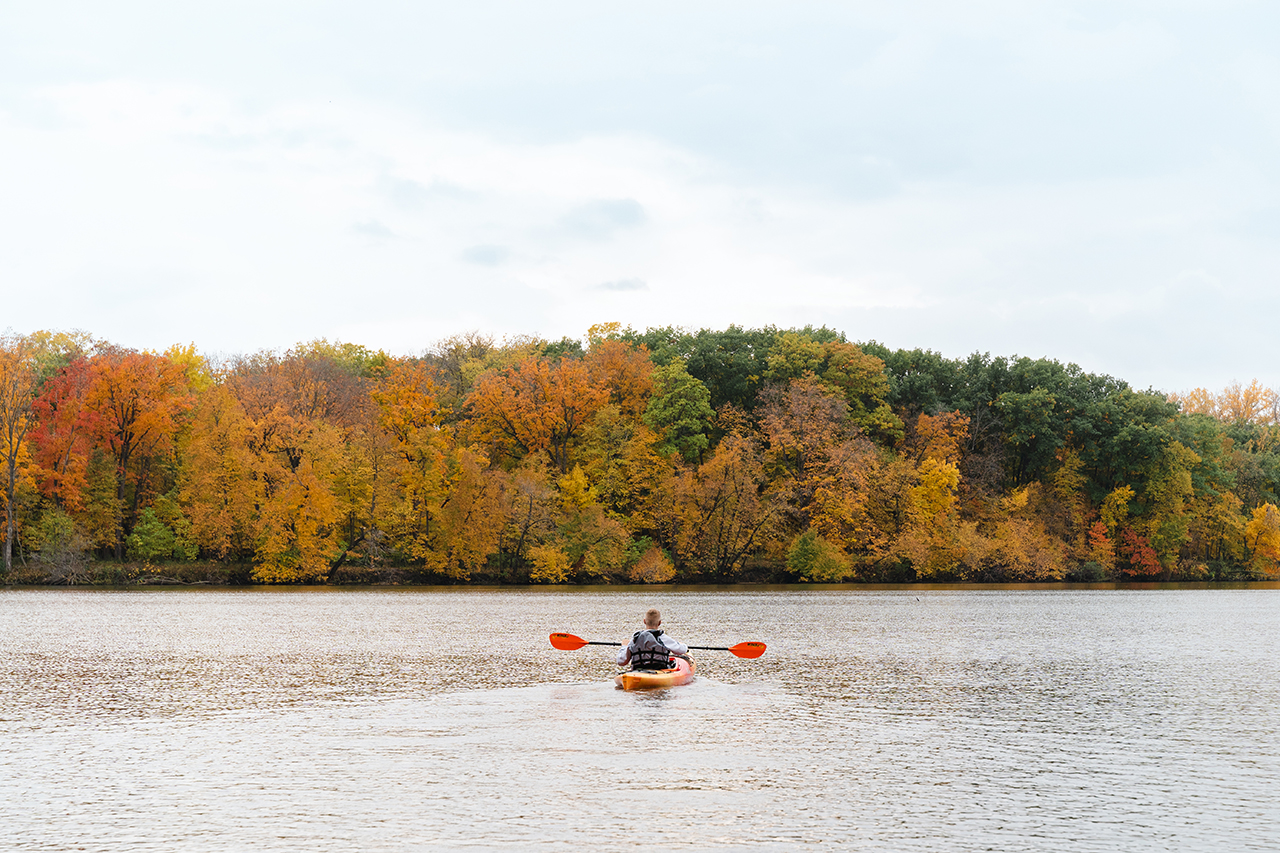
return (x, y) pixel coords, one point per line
(568, 642)
(699, 648)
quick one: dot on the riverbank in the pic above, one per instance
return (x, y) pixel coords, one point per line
(107, 574)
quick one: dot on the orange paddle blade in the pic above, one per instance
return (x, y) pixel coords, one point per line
(567, 642)
(750, 649)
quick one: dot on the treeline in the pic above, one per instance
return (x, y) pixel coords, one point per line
(656, 456)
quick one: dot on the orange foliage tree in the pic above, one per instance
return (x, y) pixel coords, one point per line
(625, 372)
(140, 399)
(537, 406)
(63, 434)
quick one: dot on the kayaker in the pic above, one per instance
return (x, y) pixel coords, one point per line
(651, 648)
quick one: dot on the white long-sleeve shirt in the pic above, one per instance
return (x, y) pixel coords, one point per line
(672, 644)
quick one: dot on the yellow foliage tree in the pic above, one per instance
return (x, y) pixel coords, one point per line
(618, 455)
(1068, 488)
(195, 367)
(653, 567)
(845, 493)
(19, 379)
(218, 485)
(1024, 551)
(1262, 534)
(1242, 404)
(934, 497)
(938, 436)
(1220, 527)
(1115, 509)
(550, 564)
(471, 517)
(297, 516)
(594, 541)
(409, 412)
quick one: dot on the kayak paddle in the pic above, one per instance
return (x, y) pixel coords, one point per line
(569, 643)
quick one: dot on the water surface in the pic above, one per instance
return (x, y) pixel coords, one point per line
(903, 720)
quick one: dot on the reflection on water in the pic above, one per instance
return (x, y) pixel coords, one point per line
(439, 720)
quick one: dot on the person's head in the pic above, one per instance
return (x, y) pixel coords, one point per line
(652, 618)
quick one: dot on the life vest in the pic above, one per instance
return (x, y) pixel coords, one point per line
(648, 652)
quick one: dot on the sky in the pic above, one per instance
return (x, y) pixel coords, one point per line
(1092, 182)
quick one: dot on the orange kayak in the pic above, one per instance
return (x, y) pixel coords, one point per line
(648, 679)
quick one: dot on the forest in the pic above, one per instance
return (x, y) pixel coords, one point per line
(662, 456)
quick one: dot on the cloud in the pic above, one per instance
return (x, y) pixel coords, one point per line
(1066, 53)
(945, 265)
(902, 60)
(374, 229)
(487, 255)
(997, 176)
(623, 285)
(405, 194)
(414, 196)
(600, 218)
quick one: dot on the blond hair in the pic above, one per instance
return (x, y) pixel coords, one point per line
(652, 618)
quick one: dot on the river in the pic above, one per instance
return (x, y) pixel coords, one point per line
(909, 719)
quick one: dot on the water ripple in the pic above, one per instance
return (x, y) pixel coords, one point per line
(326, 721)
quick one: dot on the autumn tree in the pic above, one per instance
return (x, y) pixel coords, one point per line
(716, 516)
(410, 414)
(624, 462)
(625, 372)
(219, 485)
(1168, 497)
(594, 542)
(537, 406)
(140, 399)
(1102, 550)
(63, 434)
(801, 422)
(300, 411)
(857, 376)
(926, 524)
(1237, 404)
(1262, 535)
(471, 519)
(19, 381)
(1140, 559)
(846, 497)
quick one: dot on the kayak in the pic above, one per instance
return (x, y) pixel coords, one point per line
(651, 679)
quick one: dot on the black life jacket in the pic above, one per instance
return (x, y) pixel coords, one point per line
(648, 652)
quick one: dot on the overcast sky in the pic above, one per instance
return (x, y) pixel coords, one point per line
(1096, 182)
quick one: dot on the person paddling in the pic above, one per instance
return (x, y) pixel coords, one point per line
(651, 648)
